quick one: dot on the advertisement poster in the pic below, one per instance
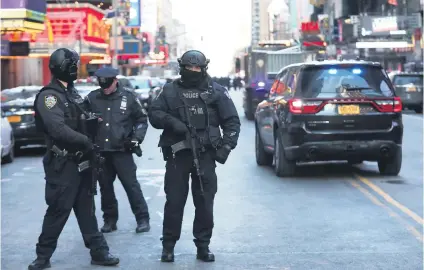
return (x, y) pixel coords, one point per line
(135, 14)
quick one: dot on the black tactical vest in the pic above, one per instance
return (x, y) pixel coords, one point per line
(196, 106)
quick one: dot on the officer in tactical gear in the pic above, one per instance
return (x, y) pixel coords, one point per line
(122, 130)
(209, 107)
(58, 108)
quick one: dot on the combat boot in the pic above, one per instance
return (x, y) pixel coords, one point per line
(104, 259)
(167, 254)
(142, 226)
(39, 264)
(204, 254)
(109, 227)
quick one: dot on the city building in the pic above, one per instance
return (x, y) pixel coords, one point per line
(260, 21)
(387, 31)
(18, 19)
(279, 21)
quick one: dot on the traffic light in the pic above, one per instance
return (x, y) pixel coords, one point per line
(238, 65)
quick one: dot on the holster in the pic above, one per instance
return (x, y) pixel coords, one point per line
(59, 163)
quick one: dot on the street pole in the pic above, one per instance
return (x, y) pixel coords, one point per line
(115, 4)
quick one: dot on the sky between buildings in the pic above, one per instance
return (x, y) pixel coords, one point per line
(223, 24)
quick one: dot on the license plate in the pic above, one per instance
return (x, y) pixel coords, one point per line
(348, 109)
(411, 89)
(14, 119)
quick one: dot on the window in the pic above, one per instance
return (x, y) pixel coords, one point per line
(291, 81)
(344, 81)
(274, 88)
(404, 80)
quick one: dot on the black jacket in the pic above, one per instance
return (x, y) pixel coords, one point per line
(122, 116)
(57, 114)
(221, 112)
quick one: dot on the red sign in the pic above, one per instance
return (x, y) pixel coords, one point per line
(310, 27)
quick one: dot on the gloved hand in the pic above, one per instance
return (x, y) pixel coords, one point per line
(131, 143)
(179, 127)
(222, 153)
(88, 145)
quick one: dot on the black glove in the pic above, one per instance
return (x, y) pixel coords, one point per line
(222, 153)
(88, 145)
(131, 143)
(179, 127)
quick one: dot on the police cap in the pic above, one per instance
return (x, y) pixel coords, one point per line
(106, 72)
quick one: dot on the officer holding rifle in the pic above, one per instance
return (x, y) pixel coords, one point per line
(122, 130)
(191, 112)
(58, 110)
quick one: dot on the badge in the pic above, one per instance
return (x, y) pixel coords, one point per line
(123, 103)
(50, 101)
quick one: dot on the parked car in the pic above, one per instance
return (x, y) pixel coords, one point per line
(85, 88)
(330, 110)
(18, 106)
(409, 87)
(7, 140)
(143, 87)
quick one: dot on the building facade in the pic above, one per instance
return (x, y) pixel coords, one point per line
(260, 21)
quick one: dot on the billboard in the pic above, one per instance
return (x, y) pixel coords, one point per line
(135, 14)
(35, 5)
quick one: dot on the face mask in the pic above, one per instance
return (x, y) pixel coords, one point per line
(191, 77)
(108, 85)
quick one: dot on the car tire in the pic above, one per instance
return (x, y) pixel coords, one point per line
(418, 109)
(249, 115)
(262, 158)
(11, 156)
(391, 166)
(283, 167)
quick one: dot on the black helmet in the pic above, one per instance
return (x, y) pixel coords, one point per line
(63, 64)
(193, 58)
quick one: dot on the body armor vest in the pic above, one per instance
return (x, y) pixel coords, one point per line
(197, 108)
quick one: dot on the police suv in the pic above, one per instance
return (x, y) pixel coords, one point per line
(330, 110)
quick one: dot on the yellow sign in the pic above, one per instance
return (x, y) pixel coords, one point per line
(97, 28)
(9, 25)
(348, 109)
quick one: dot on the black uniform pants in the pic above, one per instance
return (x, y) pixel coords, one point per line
(177, 174)
(67, 189)
(123, 165)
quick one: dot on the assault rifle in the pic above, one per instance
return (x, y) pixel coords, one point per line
(89, 126)
(190, 142)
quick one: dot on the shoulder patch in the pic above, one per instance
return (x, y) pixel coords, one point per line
(50, 101)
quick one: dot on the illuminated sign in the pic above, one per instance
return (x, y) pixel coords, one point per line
(310, 27)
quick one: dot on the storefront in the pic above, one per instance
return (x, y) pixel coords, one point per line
(19, 18)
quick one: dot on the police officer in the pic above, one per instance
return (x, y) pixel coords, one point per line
(123, 127)
(209, 107)
(57, 110)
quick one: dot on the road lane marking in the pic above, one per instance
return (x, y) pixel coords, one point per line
(376, 201)
(18, 174)
(161, 191)
(390, 200)
(6, 179)
(159, 214)
(28, 168)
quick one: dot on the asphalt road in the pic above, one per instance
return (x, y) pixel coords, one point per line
(332, 216)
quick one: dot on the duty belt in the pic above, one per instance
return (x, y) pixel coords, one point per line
(71, 156)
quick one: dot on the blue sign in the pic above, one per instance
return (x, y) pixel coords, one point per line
(5, 48)
(135, 14)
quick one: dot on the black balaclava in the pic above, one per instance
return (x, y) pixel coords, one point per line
(192, 78)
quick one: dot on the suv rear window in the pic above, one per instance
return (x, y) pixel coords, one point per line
(414, 79)
(344, 81)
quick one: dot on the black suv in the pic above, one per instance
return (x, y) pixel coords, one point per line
(409, 87)
(330, 110)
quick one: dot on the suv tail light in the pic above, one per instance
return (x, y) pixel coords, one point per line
(298, 106)
(389, 105)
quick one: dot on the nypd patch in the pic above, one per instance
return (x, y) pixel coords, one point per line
(50, 101)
